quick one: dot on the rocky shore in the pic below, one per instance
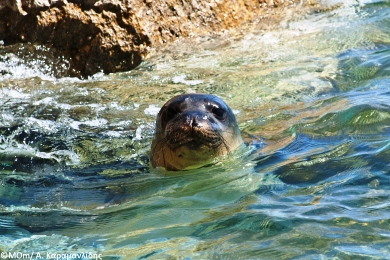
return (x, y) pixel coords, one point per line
(113, 35)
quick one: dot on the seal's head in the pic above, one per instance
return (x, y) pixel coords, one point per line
(191, 130)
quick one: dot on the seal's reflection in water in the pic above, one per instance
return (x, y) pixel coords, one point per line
(192, 130)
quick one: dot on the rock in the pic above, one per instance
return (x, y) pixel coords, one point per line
(113, 35)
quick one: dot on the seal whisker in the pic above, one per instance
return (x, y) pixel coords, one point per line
(158, 151)
(228, 152)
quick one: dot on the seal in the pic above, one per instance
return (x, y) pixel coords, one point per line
(192, 130)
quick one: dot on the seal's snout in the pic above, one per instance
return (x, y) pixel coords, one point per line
(195, 119)
(191, 129)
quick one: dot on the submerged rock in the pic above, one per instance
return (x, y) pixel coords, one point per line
(113, 35)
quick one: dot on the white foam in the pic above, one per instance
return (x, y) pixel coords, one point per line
(140, 132)
(6, 119)
(46, 125)
(17, 68)
(45, 101)
(12, 93)
(75, 125)
(114, 134)
(122, 123)
(92, 123)
(181, 79)
(64, 106)
(152, 110)
(96, 123)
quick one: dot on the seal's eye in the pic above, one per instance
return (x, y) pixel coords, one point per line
(218, 112)
(170, 113)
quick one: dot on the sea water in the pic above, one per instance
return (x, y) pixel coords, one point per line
(312, 99)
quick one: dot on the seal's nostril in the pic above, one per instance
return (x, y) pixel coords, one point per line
(194, 121)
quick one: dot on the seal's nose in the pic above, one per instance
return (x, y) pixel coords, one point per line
(194, 121)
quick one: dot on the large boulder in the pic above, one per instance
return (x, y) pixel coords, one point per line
(113, 35)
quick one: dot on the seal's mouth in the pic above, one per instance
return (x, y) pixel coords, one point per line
(194, 140)
(190, 143)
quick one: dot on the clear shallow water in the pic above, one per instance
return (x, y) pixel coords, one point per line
(312, 98)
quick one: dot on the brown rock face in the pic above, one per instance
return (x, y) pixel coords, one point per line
(113, 35)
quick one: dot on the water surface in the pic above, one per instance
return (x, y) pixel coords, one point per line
(312, 99)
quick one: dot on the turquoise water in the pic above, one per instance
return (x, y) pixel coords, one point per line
(312, 99)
